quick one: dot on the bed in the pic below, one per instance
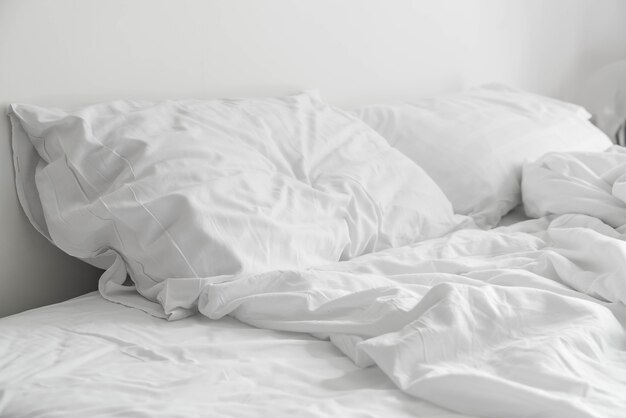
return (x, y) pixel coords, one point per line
(244, 245)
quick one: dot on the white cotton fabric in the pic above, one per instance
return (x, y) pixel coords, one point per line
(192, 190)
(517, 214)
(526, 320)
(474, 143)
(92, 358)
(518, 321)
(583, 182)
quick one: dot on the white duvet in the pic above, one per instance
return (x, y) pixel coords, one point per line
(527, 320)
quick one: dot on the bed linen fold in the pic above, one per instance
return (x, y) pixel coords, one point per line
(522, 320)
(88, 357)
(590, 183)
(526, 320)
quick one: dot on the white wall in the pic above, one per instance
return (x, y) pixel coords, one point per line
(65, 52)
(352, 49)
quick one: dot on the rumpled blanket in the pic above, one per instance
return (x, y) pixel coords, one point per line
(525, 320)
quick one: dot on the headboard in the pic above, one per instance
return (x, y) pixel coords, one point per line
(69, 52)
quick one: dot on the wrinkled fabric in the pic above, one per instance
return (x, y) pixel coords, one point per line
(88, 357)
(519, 321)
(191, 189)
(590, 183)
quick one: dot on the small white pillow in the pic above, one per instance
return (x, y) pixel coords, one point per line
(474, 143)
(184, 191)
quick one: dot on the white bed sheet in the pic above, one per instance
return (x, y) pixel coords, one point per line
(91, 357)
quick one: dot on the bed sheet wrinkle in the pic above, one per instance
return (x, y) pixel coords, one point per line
(452, 324)
(522, 320)
(233, 370)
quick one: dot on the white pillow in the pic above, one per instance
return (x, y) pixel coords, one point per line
(474, 143)
(190, 190)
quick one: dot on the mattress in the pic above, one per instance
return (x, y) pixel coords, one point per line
(90, 357)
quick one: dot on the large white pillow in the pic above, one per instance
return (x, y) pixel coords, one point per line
(474, 143)
(182, 192)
